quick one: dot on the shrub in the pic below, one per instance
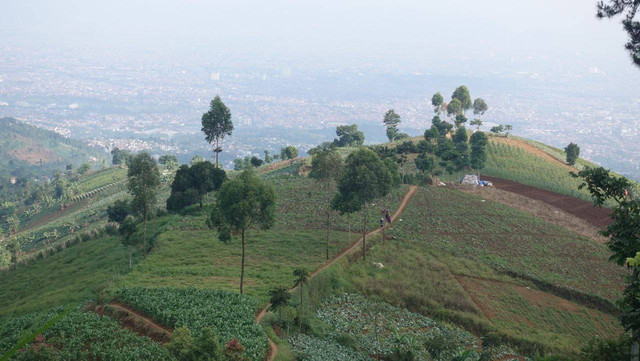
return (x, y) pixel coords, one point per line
(179, 200)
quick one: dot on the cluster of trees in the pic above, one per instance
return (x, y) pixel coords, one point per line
(288, 152)
(120, 156)
(192, 183)
(458, 106)
(499, 129)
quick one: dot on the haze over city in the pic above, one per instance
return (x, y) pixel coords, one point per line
(139, 74)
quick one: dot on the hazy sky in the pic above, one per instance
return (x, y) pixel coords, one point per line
(437, 30)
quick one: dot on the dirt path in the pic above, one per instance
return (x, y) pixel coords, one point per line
(354, 246)
(136, 321)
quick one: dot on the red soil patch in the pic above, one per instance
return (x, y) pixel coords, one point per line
(599, 217)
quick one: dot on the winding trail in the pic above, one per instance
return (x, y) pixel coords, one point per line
(271, 355)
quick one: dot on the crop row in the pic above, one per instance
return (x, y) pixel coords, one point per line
(230, 315)
(507, 239)
(302, 204)
(79, 335)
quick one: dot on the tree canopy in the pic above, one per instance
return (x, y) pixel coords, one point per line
(143, 182)
(478, 143)
(288, 152)
(191, 184)
(479, 106)
(613, 8)
(436, 101)
(391, 120)
(244, 202)
(348, 136)
(216, 124)
(454, 107)
(462, 94)
(573, 152)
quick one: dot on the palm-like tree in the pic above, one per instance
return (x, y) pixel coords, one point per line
(279, 299)
(302, 277)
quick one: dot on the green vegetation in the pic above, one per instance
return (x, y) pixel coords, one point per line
(28, 151)
(230, 315)
(77, 274)
(519, 165)
(450, 259)
(217, 124)
(79, 335)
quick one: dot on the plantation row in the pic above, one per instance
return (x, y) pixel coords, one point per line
(364, 329)
(516, 164)
(79, 335)
(230, 315)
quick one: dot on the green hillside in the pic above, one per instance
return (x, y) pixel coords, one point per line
(459, 275)
(27, 151)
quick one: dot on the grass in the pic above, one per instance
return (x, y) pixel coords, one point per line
(101, 178)
(447, 262)
(75, 275)
(519, 165)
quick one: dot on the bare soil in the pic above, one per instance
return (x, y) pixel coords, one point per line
(596, 216)
(136, 322)
(538, 208)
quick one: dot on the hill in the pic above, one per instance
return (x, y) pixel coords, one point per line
(27, 151)
(458, 273)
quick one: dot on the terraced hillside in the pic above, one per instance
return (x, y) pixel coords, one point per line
(29, 151)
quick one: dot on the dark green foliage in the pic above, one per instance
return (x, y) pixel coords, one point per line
(348, 136)
(383, 151)
(623, 234)
(462, 94)
(267, 157)
(279, 299)
(497, 129)
(391, 121)
(631, 26)
(216, 124)
(479, 106)
(478, 143)
(143, 181)
(407, 147)
(206, 347)
(442, 126)
(454, 107)
(191, 184)
(118, 211)
(288, 152)
(325, 146)
(599, 349)
(573, 152)
(120, 156)
(167, 159)
(460, 120)
(436, 101)
(244, 202)
(256, 162)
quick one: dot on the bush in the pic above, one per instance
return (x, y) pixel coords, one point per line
(604, 350)
(185, 348)
(179, 200)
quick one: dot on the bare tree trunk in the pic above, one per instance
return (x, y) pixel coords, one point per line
(130, 251)
(635, 334)
(635, 346)
(301, 308)
(364, 233)
(216, 151)
(242, 264)
(145, 234)
(328, 229)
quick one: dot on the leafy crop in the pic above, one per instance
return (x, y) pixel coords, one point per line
(308, 348)
(230, 315)
(79, 335)
(378, 327)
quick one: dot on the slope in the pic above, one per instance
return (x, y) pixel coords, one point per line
(27, 151)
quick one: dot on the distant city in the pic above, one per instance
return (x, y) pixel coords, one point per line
(141, 101)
